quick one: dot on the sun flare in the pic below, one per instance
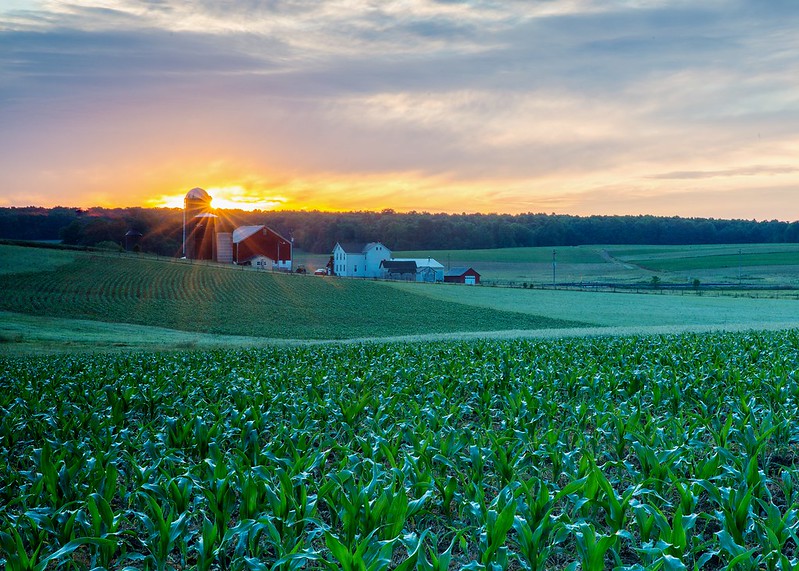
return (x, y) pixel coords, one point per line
(226, 198)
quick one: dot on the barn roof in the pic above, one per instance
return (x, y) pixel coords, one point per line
(244, 232)
(459, 271)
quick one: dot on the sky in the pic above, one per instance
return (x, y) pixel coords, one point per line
(664, 107)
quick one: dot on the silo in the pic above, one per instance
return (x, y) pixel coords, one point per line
(199, 226)
(133, 240)
(201, 237)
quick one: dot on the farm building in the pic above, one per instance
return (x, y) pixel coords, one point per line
(199, 226)
(133, 241)
(359, 260)
(258, 243)
(205, 237)
(200, 237)
(462, 275)
(399, 270)
(427, 269)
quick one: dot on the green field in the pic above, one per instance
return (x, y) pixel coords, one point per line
(759, 264)
(207, 298)
(301, 422)
(18, 259)
(77, 300)
(670, 452)
(629, 310)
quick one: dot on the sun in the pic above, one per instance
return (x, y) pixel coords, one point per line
(241, 198)
(235, 197)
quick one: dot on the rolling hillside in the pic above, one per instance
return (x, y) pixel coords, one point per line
(235, 301)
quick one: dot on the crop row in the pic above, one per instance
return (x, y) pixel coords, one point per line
(224, 300)
(667, 452)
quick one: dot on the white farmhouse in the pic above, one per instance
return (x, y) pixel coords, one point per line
(359, 260)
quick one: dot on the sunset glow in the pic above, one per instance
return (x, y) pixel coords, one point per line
(662, 107)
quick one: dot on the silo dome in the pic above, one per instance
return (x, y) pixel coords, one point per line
(198, 194)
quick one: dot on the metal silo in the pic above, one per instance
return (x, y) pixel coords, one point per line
(199, 226)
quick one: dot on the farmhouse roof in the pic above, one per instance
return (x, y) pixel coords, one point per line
(352, 247)
(358, 247)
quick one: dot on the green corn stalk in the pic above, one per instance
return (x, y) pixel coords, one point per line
(202, 437)
(258, 536)
(253, 496)
(219, 494)
(673, 540)
(645, 521)
(616, 507)
(181, 491)
(775, 533)
(438, 561)
(49, 473)
(537, 530)
(388, 512)
(477, 463)
(105, 525)
(499, 520)
(446, 486)
(688, 499)
(163, 531)
(208, 546)
(59, 525)
(363, 554)
(592, 546)
(17, 558)
(178, 432)
(504, 458)
(735, 507)
(738, 554)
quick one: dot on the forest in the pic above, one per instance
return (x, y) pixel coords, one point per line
(318, 232)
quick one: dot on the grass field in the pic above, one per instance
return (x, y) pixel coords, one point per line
(18, 259)
(759, 264)
(625, 309)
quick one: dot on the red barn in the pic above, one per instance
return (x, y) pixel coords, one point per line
(250, 242)
(462, 276)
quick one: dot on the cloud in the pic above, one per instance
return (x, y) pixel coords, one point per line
(744, 171)
(532, 101)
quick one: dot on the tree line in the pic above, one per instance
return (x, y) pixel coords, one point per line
(318, 232)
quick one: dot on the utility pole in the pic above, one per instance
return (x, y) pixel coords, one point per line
(554, 265)
(739, 266)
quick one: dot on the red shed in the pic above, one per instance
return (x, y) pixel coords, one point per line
(252, 241)
(462, 275)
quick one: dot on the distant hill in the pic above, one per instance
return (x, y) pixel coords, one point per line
(232, 300)
(317, 232)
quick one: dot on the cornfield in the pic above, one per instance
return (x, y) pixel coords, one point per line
(674, 452)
